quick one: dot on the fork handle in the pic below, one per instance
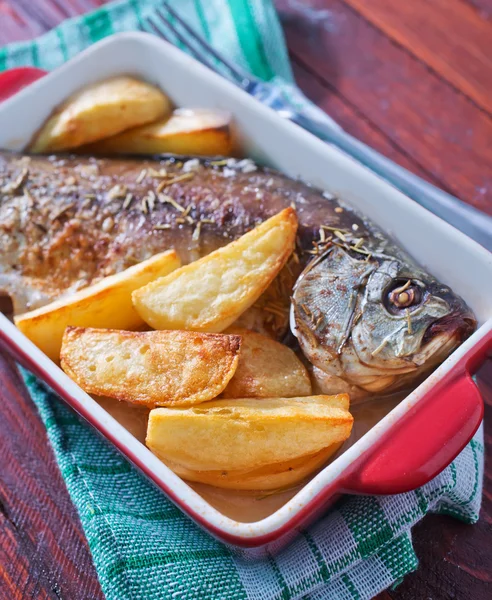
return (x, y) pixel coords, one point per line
(475, 223)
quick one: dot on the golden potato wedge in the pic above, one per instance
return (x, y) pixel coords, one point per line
(99, 111)
(107, 303)
(151, 368)
(267, 369)
(272, 477)
(200, 131)
(246, 434)
(211, 293)
(336, 400)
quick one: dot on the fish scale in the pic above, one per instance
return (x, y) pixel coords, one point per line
(100, 207)
(68, 221)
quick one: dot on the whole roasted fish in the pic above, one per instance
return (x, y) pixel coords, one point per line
(366, 316)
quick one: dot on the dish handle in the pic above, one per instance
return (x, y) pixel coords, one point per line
(14, 80)
(429, 437)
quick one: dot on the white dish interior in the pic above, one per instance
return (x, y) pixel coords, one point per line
(445, 252)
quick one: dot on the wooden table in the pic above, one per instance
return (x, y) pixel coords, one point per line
(412, 79)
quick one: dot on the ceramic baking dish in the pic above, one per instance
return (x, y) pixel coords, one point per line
(420, 434)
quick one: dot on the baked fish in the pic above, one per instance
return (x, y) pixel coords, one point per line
(366, 316)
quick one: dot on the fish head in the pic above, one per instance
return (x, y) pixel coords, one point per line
(377, 322)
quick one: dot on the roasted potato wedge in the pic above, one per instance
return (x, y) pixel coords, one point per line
(211, 293)
(99, 111)
(151, 368)
(272, 477)
(246, 434)
(200, 131)
(107, 303)
(267, 369)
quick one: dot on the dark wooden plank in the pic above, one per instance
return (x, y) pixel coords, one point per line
(350, 118)
(449, 36)
(451, 564)
(13, 26)
(437, 127)
(483, 7)
(43, 550)
(44, 13)
(25, 19)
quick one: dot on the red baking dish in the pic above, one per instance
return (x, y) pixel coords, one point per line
(402, 447)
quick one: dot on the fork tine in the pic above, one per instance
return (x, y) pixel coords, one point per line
(152, 27)
(237, 72)
(158, 27)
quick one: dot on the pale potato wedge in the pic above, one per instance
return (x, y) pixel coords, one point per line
(272, 477)
(267, 369)
(107, 303)
(210, 294)
(99, 111)
(200, 131)
(246, 434)
(151, 368)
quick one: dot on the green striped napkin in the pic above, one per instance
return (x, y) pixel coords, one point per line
(143, 547)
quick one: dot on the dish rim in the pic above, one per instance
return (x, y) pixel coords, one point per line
(328, 480)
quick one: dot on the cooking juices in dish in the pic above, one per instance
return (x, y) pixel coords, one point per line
(253, 505)
(254, 250)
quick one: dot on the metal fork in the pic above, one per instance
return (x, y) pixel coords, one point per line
(468, 219)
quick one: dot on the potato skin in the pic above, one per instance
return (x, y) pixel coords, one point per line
(152, 368)
(99, 111)
(196, 132)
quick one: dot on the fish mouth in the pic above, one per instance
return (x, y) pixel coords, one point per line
(440, 339)
(456, 324)
(443, 336)
(459, 323)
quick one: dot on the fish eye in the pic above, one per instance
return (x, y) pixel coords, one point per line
(402, 294)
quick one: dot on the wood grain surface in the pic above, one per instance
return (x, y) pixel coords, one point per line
(43, 551)
(413, 80)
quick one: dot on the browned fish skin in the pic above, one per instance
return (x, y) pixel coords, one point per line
(364, 313)
(67, 221)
